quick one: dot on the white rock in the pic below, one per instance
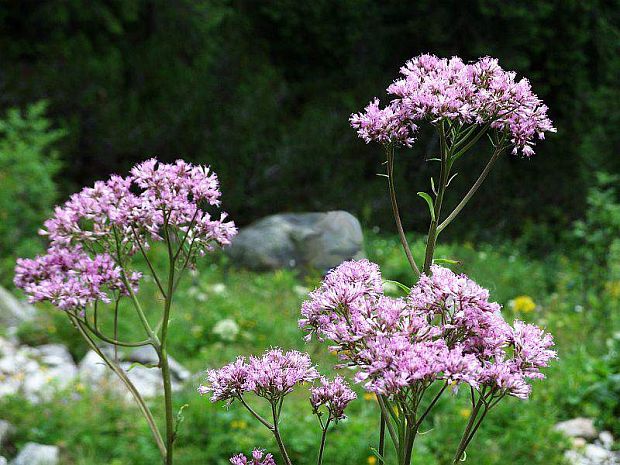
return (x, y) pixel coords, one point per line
(55, 354)
(37, 454)
(6, 429)
(606, 439)
(598, 455)
(92, 369)
(579, 443)
(12, 311)
(34, 371)
(3, 461)
(578, 428)
(573, 457)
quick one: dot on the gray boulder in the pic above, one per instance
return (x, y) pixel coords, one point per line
(37, 454)
(12, 311)
(298, 240)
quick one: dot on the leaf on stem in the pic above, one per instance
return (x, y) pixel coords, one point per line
(446, 261)
(429, 201)
(400, 285)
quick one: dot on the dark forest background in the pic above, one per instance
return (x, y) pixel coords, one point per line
(262, 91)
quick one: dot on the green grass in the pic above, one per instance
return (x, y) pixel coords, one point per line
(96, 429)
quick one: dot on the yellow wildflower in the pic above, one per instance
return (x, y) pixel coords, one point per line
(371, 460)
(370, 396)
(465, 413)
(523, 304)
(239, 424)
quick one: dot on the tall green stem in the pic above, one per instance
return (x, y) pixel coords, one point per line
(163, 353)
(496, 154)
(444, 174)
(399, 225)
(276, 434)
(323, 437)
(466, 438)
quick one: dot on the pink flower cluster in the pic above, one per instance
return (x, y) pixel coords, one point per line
(334, 395)
(445, 329)
(271, 376)
(116, 218)
(258, 458)
(69, 278)
(434, 89)
(167, 195)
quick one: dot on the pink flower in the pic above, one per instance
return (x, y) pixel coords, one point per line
(70, 279)
(258, 458)
(335, 395)
(479, 93)
(446, 329)
(271, 376)
(116, 218)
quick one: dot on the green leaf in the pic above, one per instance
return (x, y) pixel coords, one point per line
(376, 452)
(146, 365)
(447, 261)
(429, 201)
(400, 285)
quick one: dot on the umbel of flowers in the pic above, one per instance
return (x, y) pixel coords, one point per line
(445, 334)
(94, 238)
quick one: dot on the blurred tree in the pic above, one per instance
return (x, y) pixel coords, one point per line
(262, 91)
(27, 166)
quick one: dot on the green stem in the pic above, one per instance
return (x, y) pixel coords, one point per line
(163, 352)
(323, 437)
(411, 433)
(466, 434)
(110, 340)
(498, 151)
(276, 434)
(430, 406)
(443, 181)
(382, 439)
(399, 226)
(268, 425)
(148, 262)
(390, 427)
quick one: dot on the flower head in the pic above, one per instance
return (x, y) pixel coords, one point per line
(116, 218)
(258, 458)
(271, 376)
(446, 329)
(71, 279)
(334, 394)
(478, 93)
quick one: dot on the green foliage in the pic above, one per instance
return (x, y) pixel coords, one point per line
(598, 231)
(602, 397)
(87, 425)
(28, 164)
(263, 91)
